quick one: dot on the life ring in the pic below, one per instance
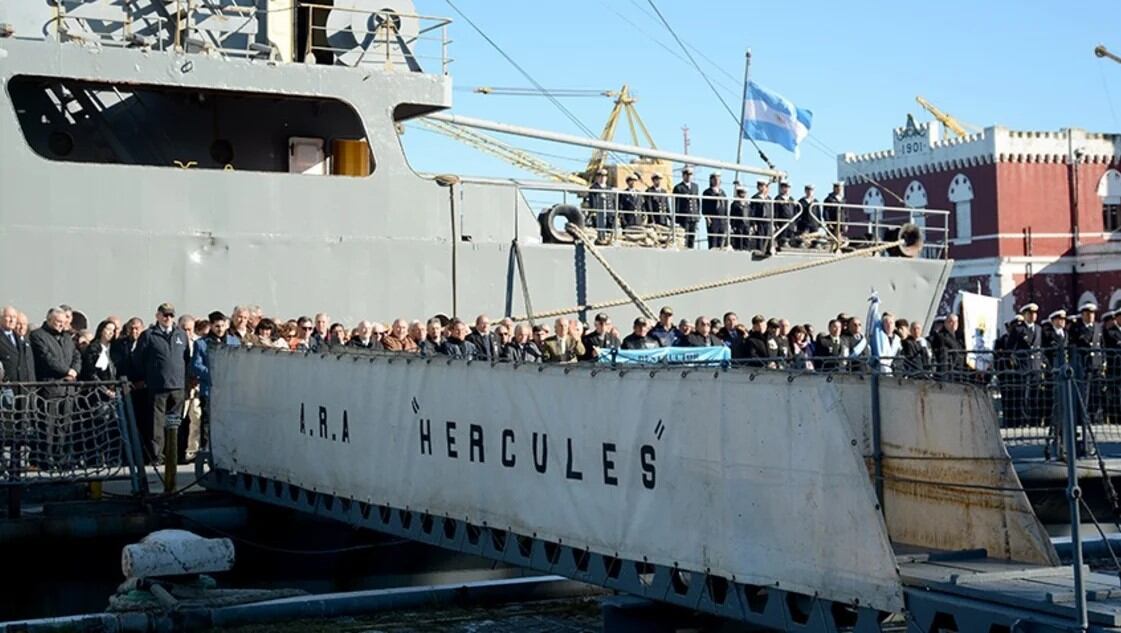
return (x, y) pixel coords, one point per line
(555, 232)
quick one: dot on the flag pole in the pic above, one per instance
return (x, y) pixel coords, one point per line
(743, 104)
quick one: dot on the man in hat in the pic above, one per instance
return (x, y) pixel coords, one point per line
(761, 214)
(785, 209)
(656, 202)
(630, 204)
(714, 206)
(163, 353)
(601, 204)
(833, 210)
(808, 226)
(1111, 350)
(664, 330)
(1025, 343)
(602, 337)
(755, 344)
(1086, 340)
(738, 213)
(1055, 338)
(687, 207)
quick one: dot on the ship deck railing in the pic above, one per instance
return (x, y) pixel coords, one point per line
(339, 36)
(840, 227)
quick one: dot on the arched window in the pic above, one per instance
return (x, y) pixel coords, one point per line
(1115, 300)
(915, 198)
(873, 204)
(961, 196)
(1109, 190)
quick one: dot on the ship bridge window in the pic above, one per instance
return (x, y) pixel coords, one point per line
(169, 126)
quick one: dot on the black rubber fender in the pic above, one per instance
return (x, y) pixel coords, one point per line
(550, 232)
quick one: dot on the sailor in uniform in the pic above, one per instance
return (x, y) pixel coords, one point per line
(686, 205)
(738, 225)
(656, 202)
(808, 226)
(714, 207)
(760, 212)
(1085, 337)
(1111, 349)
(601, 204)
(1026, 345)
(785, 210)
(630, 204)
(833, 211)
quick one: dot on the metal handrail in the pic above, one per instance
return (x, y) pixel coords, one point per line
(769, 231)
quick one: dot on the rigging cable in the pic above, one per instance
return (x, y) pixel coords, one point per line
(708, 81)
(549, 95)
(815, 143)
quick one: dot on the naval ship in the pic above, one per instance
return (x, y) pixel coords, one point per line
(229, 152)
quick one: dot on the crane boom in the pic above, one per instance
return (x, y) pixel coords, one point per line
(1101, 51)
(497, 148)
(950, 122)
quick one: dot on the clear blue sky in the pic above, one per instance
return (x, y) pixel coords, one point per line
(857, 65)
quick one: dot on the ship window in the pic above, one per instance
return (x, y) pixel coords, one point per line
(71, 120)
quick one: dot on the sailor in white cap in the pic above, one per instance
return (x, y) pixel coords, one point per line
(601, 200)
(1030, 334)
(832, 210)
(687, 207)
(785, 210)
(1054, 333)
(714, 206)
(630, 204)
(1111, 343)
(1085, 333)
(760, 212)
(656, 202)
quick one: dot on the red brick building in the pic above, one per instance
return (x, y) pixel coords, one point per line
(1026, 222)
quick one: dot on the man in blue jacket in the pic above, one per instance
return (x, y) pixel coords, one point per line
(164, 354)
(218, 337)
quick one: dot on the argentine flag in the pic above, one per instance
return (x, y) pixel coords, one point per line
(771, 117)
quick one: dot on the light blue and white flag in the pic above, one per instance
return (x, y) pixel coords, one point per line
(769, 116)
(666, 355)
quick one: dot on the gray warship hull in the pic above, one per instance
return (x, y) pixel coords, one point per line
(150, 217)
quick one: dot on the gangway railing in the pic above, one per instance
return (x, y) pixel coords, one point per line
(67, 432)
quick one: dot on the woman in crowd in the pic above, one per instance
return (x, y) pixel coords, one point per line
(96, 362)
(801, 352)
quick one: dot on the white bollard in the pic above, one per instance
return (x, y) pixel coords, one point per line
(176, 553)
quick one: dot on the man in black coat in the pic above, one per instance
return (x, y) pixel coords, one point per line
(785, 209)
(1026, 345)
(56, 356)
(833, 211)
(656, 203)
(949, 352)
(687, 206)
(702, 335)
(602, 337)
(16, 357)
(1111, 349)
(457, 345)
(830, 350)
(487, 344)
(639, 338)
(738, 214)
(756, 349)
(165, 355)
(601, 203)
(630, 204)
(714, 207)
(761, 213)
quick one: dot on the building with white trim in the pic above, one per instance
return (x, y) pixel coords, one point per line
(1034, 216)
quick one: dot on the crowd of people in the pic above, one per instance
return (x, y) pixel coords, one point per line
(167, 362)
(761, 223)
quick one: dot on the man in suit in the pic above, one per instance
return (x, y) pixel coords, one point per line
(601, 203)
(487, 344)
(16, 357)
(656, 203)
(714, 207)
(687, 207)
(562, 347)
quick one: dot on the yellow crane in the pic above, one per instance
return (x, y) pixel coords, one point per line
(624, 105)
(950, 122)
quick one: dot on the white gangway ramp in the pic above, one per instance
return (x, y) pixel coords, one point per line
(745, 477)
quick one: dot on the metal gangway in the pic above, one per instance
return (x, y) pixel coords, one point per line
(793, 501)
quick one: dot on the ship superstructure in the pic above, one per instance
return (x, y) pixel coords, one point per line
(226, 153)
